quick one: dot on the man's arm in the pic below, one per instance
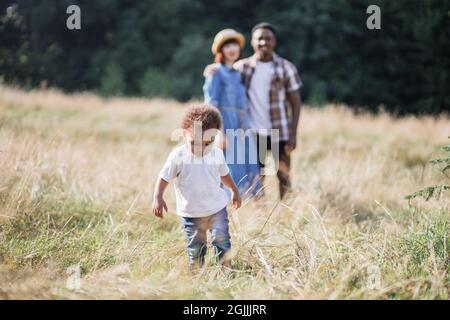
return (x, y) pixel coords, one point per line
(294, 99)
(210, 69)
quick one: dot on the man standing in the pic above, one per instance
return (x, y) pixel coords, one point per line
(274, 101)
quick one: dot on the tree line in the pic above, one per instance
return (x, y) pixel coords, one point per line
(160, 47)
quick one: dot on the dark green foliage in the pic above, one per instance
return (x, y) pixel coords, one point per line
(435, 190)
(428, 245)
(112, 81)
(160, 47)
(154, 83)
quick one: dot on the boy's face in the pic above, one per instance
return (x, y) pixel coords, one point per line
(263, 43)
(200, 144)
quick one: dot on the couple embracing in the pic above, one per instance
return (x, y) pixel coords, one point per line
(260, 95)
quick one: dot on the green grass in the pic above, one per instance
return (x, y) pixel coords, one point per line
(78, 173)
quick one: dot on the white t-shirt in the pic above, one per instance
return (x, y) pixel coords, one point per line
(259, 102)
(197, 181)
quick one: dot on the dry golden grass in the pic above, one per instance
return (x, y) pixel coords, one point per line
(77, 174)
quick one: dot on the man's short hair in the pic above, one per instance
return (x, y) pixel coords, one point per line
(264, 25)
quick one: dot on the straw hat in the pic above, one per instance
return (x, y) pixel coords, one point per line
(225, 35)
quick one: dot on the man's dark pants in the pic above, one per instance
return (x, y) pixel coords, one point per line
(281, 157)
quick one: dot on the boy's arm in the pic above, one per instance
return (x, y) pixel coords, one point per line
(158, 201)
(236, 198)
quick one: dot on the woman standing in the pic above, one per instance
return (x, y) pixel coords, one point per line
(225, 90)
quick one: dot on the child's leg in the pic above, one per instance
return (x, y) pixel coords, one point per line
(195, 230)
(220, 235)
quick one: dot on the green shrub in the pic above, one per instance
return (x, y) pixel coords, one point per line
(435, 190)
(429, 246)
(112, 82)
(154, 83)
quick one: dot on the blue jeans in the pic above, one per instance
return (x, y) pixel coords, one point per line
(195, 230)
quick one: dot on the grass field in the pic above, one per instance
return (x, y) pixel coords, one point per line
(77, 174)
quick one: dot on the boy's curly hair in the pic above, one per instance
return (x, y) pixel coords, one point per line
(208, 116)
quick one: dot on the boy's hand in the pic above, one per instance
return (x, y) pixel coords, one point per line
(158, 205)
(236, 200)
(235, 197)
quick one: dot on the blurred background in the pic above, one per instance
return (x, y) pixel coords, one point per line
(78, 170)
(160, 48)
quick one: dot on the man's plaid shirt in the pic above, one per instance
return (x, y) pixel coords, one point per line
(285, 79)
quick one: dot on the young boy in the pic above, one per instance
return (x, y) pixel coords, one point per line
(198, 169)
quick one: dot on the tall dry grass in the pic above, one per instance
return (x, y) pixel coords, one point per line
(77, 174)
